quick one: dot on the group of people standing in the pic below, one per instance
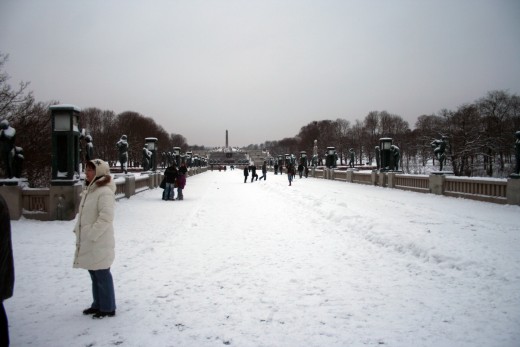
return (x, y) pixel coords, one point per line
(174, 178)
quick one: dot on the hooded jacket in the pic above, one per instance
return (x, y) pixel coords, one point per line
(95, 242)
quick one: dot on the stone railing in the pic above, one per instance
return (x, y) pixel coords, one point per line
(62, 202)
(502, 191)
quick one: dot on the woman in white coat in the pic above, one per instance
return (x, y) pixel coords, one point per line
(95, 241)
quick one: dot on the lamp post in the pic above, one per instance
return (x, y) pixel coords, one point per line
(65, 144)
(65, 187)
(385, 144)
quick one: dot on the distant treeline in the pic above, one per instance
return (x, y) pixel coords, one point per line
(480, 135)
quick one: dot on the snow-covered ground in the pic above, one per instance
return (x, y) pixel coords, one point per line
(320, 263)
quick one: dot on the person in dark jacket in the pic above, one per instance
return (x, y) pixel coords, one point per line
(253, 173)
(170, 175)
(181, 182)
(6, 269)
(246, 173)
(264, 171)
(300, 170)
(291, 172)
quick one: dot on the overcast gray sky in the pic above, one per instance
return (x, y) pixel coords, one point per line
(261, 69)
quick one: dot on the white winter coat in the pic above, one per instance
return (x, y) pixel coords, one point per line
(95, 243)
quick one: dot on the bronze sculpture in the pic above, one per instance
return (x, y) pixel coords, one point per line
(122, 145)
(439, 149)
(7, 150)
(147, 158)
(396, 155)
(517, 152)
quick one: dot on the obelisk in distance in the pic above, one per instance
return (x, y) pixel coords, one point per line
(227, 143)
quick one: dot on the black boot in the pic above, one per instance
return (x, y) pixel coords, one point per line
(101, 315)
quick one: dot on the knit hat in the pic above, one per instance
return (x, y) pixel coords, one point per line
(102, 168)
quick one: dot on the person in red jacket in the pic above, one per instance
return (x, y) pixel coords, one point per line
(181, 181)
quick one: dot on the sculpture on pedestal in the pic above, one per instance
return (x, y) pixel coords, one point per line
(396, 155)
(352, 157)
(147, 158)
(378, 157)
(89, 148)
(439, 149)
(122, 146)
(517, 152)
(7, 151)
(315, 154)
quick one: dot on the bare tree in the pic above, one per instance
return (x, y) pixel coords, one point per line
(34, 135)
(465, 138)
(496, 110)
(13, 102)
(342, 128)
(177, 140)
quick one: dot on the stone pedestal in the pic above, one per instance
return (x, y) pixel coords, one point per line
(513, 191)
(437, 183)
(12, 194)
(391, 179)
(382, 179)
(129, 186)
(64, 201)
(350, 176)
(374, 176)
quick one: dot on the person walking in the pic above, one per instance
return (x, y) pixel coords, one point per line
(264, 171)
(300, 170)
(95, 241)
(6, 269)
(253, 173)
(181, 181)
(290, 173)
(170, 175)
(246, 173)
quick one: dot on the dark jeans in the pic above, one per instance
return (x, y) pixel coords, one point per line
(4, 327)
(103, 295)
(168, 192)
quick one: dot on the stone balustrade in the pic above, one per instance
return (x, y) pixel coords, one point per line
(501, 191)
(62, 202)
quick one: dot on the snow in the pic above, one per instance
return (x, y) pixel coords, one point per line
(65, 107)
(319, 263)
